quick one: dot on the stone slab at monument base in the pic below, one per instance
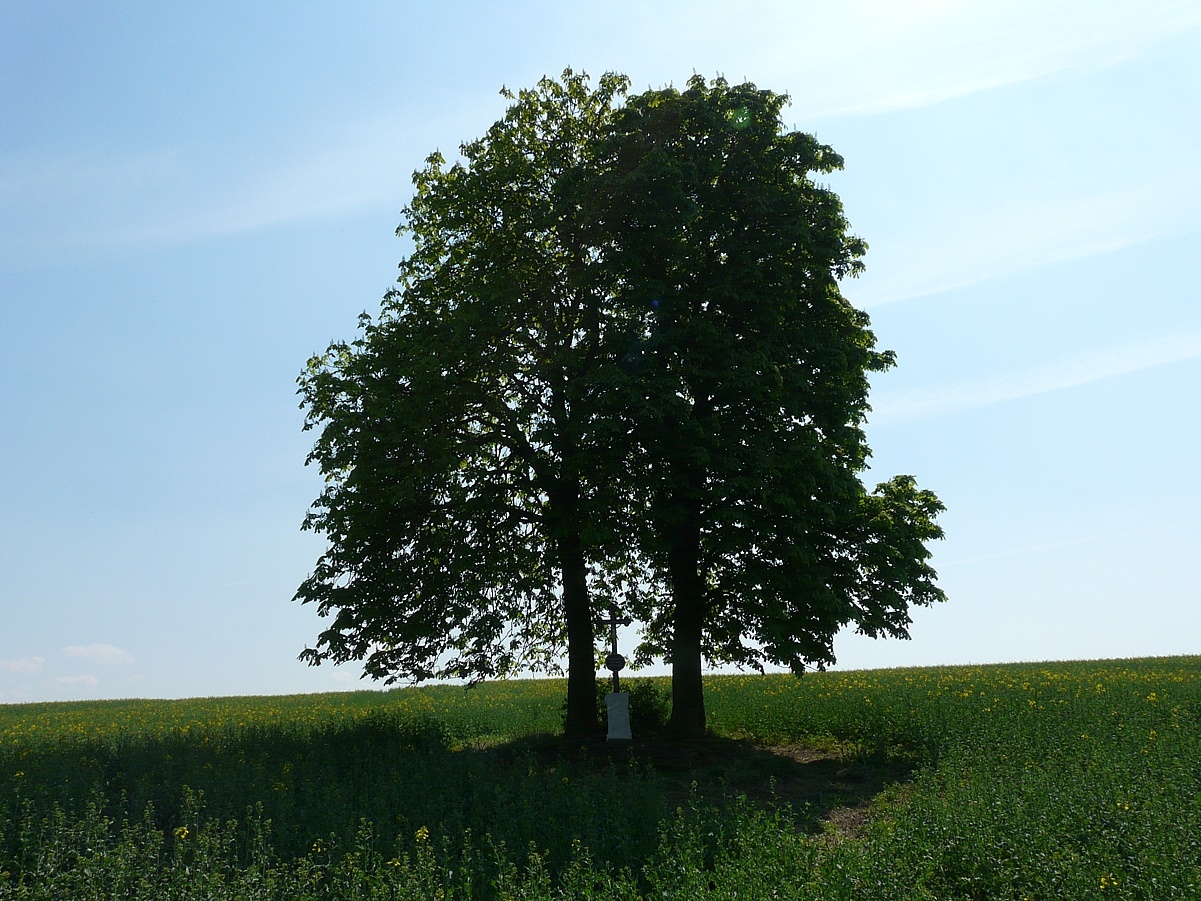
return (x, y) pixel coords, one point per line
(617, 705)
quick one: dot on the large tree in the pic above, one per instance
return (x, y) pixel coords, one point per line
(618, 361)
(470, 505)
(746, 390)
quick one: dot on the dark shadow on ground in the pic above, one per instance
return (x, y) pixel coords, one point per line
(820, 785)
(543, 791)
(416, 792)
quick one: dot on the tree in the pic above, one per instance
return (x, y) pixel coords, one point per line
(746, 395)
(618, 361)
(469, 505)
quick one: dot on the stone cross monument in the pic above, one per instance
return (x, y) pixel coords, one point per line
(617, 702)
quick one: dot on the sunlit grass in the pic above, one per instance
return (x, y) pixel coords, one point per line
(1064, 780)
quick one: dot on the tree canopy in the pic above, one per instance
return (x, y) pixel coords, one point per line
(747, 405)
(469, 502)
(617, 364)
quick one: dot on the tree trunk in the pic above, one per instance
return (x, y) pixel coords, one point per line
(581, 717)
(688, 596)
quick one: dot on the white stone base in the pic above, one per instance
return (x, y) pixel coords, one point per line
(617, 705)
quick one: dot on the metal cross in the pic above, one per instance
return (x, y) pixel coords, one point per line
(614, 662)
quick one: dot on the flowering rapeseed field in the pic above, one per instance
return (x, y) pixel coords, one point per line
(1030, 781)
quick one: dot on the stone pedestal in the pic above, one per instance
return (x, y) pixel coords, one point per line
(617, 704)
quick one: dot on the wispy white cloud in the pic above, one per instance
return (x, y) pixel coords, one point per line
(100, 653)
(26, 665)
(863, 57)
(1080, 370)
(365, 166)
(71, 177)
(858, 57)
(77, 681)
(1024, 233)
(891, 56)
(116, 201)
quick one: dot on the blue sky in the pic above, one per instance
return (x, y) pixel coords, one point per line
(196, 197)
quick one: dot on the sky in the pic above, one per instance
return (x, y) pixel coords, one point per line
(195, 198)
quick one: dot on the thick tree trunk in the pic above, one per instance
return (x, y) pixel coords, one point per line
(581, 717)
(688, 596)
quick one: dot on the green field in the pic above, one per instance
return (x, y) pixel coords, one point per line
(1025, 781)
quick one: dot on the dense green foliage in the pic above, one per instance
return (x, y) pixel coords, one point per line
(1032, 781)
(747, 390)
(470, 507)
(618, 365)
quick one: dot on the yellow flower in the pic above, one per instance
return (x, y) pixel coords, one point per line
(422, 834)
(181, 833)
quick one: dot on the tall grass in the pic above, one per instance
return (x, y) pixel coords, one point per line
(1077, 780)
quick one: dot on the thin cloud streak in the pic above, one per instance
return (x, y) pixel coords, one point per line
(136, 201)
(1026, 234)
(27, 666)
(866, 57)
(906, 56)
(77, 681)
(895, 57)
(100, 653)
(1081, 370)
